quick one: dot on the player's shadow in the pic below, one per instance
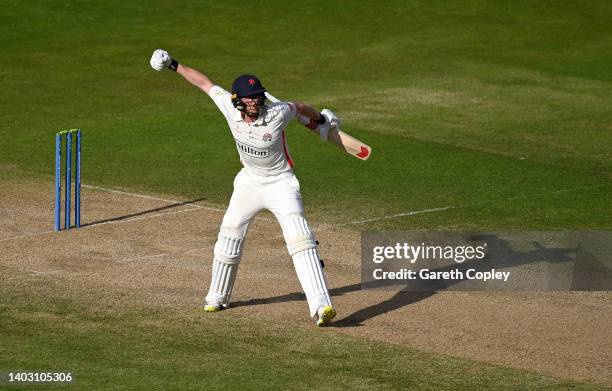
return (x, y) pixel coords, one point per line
(423, 289)
(143, 213)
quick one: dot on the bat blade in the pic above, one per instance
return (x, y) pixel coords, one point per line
(350, 144)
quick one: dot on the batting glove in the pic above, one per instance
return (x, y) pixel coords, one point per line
(323, 125)
(328, 120)
(334, 121)
(161, 59)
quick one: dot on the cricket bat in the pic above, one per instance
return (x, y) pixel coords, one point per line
(343, 140)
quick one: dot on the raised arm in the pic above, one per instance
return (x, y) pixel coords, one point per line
(161, 60)
(195, 77)
(312, 119)
(308, 116)
(307, 111)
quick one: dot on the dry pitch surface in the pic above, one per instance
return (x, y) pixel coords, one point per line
(153, 252)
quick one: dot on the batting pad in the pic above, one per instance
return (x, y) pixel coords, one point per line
(310, 273)
(298, 235)
(228, 251)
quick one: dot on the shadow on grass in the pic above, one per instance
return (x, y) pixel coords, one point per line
(143, 213)
(400, 299)
(427, 288)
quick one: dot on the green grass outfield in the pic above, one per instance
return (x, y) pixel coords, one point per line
(107, 346)
(468, 103)
(501, 111)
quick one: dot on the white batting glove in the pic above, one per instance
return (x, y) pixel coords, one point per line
(334, 121)
(161, 60)
(331, 121)
(324, 130)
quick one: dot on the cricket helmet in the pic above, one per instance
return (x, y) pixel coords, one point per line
(247, 86)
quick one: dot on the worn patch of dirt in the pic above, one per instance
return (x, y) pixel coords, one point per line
(157, 253)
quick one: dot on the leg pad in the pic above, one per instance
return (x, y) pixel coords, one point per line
(228, 251)
(302, 247)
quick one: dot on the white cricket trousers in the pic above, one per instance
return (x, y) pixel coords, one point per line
(280, 194)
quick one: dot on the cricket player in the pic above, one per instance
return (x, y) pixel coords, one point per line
(266, 181)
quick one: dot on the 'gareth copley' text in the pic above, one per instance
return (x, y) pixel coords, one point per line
(455, 274)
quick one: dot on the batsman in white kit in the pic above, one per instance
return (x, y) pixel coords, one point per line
(266, 181)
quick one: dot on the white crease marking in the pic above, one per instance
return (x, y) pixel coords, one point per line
(127, 260)
(150, 197)
(141, 217)
(416, 212)
(355, 222)
(26, 235)
(393, 216)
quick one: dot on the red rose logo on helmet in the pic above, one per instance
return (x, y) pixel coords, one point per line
(251, 82)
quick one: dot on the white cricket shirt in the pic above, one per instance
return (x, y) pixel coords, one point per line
(261, 144)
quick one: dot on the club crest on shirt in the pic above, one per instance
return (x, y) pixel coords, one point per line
(267, 137)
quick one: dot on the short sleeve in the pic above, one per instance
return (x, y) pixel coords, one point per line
(289, 111)
(222, 99)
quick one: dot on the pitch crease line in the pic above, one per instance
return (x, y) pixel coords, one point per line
(404, 214)
(101, 224)
(150, 197)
